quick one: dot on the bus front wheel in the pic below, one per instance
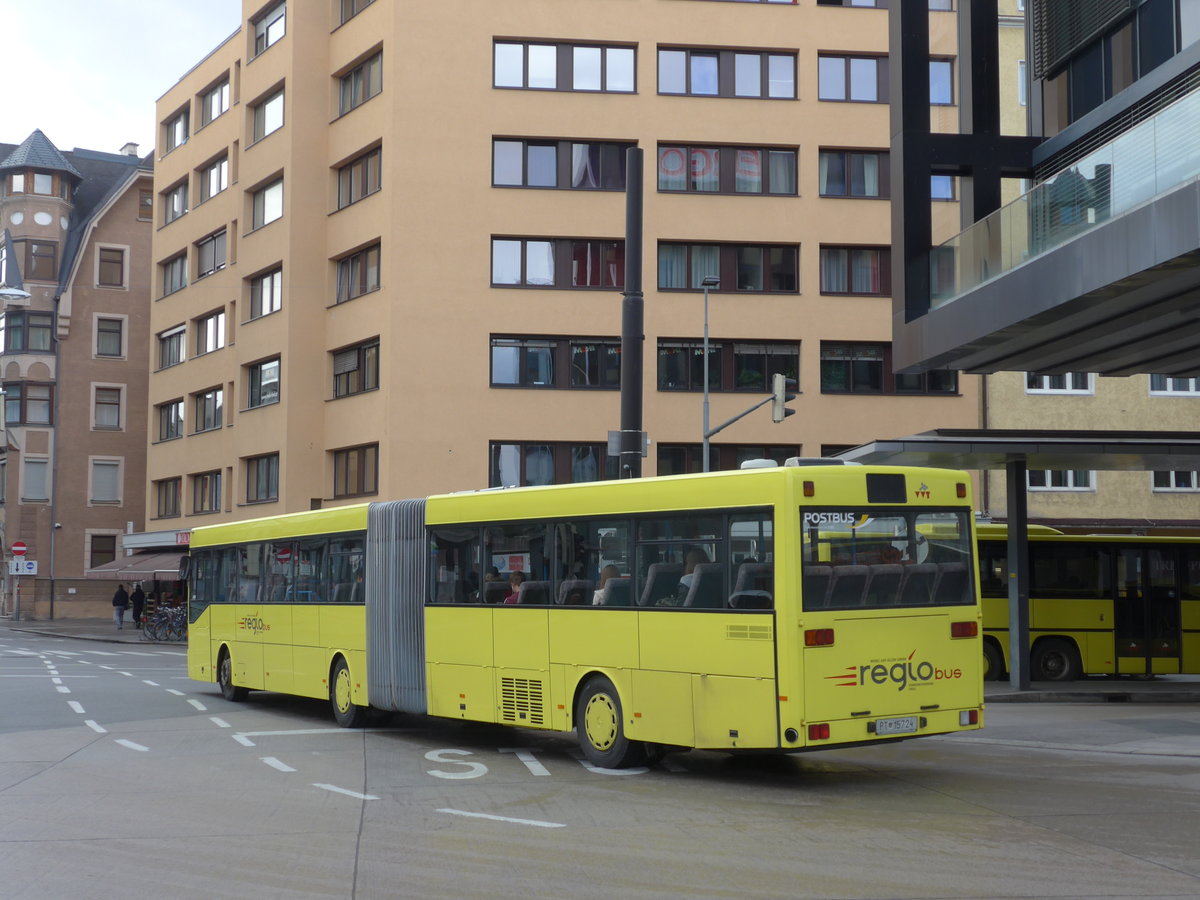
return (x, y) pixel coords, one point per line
(229, 690)
(347, 713)
(1054, 660)
(600, 727)
(993, 662)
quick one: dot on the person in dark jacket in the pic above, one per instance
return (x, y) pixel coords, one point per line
(138, 600)
(120, 604)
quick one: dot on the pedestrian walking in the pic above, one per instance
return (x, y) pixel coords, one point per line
(120, 604)
(138, 600)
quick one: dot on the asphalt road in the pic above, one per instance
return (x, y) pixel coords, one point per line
(120, 778)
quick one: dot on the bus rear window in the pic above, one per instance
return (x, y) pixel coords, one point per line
(874, 558)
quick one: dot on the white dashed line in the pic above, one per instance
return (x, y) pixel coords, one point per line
(132, 746)
(276, 764)
(151, 683)
(218, 721)
(243, 740)
(475, 815)
(56, 681)
(338, 790)
(63, 689)
(175, 692)
(90, 723)
(200, 706)
(75, 705)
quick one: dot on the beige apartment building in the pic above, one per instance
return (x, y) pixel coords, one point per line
(75, 269)
(389, 245)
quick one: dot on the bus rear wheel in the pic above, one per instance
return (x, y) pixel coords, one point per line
(1054, 660)
(345, 711)
(599, 725)
(229, 690)
(993, 662)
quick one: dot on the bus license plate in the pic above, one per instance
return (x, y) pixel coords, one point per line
(902, 725)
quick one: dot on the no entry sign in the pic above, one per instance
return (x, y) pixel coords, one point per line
(19, 548)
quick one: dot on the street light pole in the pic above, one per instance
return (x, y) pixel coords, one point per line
(706, 283)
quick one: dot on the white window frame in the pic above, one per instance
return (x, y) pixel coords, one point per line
(1174, 488)
(1171, 391)
(114, 317)
(1069, 487)
(119, 463)
(1045, 389)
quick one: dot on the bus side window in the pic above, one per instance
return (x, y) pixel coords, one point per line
(454, 576)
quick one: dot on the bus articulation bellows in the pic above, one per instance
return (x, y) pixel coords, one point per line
(781, 609)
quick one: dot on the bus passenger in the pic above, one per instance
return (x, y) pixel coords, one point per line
(514, 586)
(695, 556)
(600, 596)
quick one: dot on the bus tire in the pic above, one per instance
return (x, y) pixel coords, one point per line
(229, 690)
(345, 711)
(599, 725)
(1054, 659)
(993, 661)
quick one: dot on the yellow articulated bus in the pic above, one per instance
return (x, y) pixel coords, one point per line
(774, 609)
(1098, 604)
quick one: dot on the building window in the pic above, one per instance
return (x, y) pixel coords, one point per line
(1175, 481)
(106, 407)
(941, 187)
(267, 204)
(935, 381)
(106, 481)
(102, 549)
(351, 8)
(1166, 384)
(941, 82)
(852, 79)
(549, 463)
(563, 67)
(110, 267)
(854, 173)
(175, 202)
(683, 459)
(555, 362)
(358, 274)
(145, 211)
(206, 492)
(856, 270)
(175, 131)
(170, 346)
(25, 331)
(269, 27)
(595, 363)
(210, 333)
(262, 478)
(210, 254)
(268, 115)
(727, 170)
(214, 101)
(558, 262)
(167, 494)
(110, 337)
(214, 178)
(523, 362)
(852, 368)
(170, 420)
(361, 83)
(208, 408)
(1022, 83)
(567, 165)
(1070, 480)
(266, 293)
(356, 369)
(174, 274)
(732, 365)
(359, 178)
(727, 73)
(36, 483)
(39, 259)
(1066, 383)
(263, 383)
(28, 404)
(356, 471)
(740, 267)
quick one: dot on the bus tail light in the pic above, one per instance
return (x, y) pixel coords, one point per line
(818, 637)
(968, 717)
(810, 489)
(962, 489)
(964, 629)
(818, 732)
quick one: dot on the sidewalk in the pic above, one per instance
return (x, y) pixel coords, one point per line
(86, 630)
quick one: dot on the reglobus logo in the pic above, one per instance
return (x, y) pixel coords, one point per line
(903, 673)
(253, 623)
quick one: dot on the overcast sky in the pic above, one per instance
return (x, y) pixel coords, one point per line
(87, 72)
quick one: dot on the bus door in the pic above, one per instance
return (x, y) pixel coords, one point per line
(1147, 611)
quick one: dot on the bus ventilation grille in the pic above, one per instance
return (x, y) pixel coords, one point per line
(748, 632)
(521, 701)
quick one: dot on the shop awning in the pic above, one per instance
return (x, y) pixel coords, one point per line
(141, 567)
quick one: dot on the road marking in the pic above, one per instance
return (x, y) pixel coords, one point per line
(126, 674)
(63, 689)
(276, 764)
(200, 706)
(306, 731)
(243, 740)
(90, 723)
(338, 790)
(474, 815)
(527, 757)
(175, 692)
(132, 746)
(107, 667)
(75, 705)
(56, 681)
(137, 653)
(151, 683)
(218, 721)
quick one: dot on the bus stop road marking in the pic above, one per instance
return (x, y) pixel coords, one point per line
(338, 790)
(276, 764)
(475, 815)
(132, 746)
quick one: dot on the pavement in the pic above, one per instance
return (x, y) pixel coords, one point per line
(1092, 689)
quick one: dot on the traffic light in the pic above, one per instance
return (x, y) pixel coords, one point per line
(781, 395)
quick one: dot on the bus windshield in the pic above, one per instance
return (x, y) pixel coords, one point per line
(874, 558)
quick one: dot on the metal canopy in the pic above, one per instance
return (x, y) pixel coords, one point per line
(141, 567)
(969, 448)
